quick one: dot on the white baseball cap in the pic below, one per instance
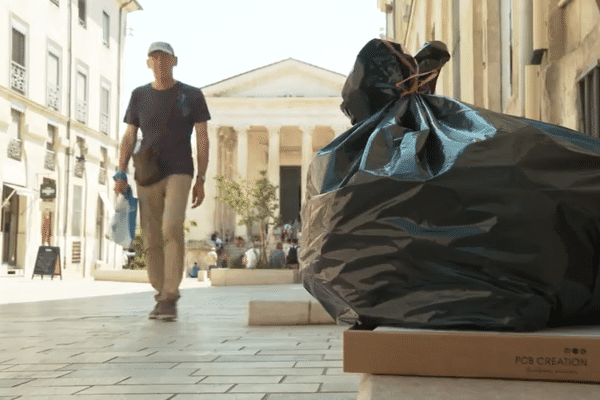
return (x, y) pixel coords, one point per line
(161, 46)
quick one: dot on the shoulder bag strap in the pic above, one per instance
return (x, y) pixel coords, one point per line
(170, 106)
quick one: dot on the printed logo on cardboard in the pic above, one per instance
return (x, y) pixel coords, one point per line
(573, 361)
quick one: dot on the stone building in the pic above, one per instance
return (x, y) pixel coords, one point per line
(60, 85)
(533, 58)
(274, 118)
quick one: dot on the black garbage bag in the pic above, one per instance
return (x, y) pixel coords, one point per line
(431, 213)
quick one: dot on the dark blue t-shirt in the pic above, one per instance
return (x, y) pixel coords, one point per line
(147, 110)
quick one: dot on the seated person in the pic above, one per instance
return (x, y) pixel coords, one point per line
(277, 257)
(212, 258)
(234, 255)
(194, 270)
(292, 255)
(251, 258)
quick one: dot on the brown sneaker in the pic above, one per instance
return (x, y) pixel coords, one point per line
(154, 313)
(167, 310)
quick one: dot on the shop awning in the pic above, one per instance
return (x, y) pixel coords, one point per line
(106, 201)
(19, 190)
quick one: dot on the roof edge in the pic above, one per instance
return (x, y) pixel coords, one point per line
(270, 65)
(128, 6)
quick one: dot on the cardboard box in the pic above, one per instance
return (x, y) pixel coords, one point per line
(565, 354)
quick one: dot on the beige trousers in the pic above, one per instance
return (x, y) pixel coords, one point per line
(162, 214)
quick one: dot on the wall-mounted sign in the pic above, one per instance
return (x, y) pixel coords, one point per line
(48, 190)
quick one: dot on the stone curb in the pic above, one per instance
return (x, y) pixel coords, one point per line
(275, 313)
(124, 275)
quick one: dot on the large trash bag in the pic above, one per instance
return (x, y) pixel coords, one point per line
(431, 213)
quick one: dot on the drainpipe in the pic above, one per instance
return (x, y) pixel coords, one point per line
(68, 149)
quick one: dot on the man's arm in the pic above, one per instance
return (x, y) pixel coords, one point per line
(127, 146)
(126, 150)
(202, 160)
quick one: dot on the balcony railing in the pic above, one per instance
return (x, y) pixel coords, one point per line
(50, 160)
(104, 123)
(18, 76)
(14, 149)
(53, 95)
(81, 111)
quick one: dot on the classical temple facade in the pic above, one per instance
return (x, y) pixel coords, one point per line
(274, 119)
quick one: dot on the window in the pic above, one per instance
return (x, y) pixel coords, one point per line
(103, 163)
(14, 135)
(589, 102)
(14, 131)
(82, 12)
(76, 213)
(105, 29)
(18, 71)
(51, 137)
(104, 107)
(79, 167)
(81, 93)
(50, 159)
(53, 87)
(76, 253)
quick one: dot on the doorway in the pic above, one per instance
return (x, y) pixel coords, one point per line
(290, 193)
(10, 224)
(100, 228)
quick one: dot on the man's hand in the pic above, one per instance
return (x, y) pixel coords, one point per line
(198, 193)
(120, 186)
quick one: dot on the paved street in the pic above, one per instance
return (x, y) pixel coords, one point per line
(104, 347)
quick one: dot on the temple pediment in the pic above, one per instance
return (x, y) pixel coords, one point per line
(287, 78)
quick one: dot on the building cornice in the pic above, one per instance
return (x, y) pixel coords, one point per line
(91, 133)
(11, 95)
(46, 112)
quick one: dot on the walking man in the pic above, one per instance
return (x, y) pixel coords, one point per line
(167, 112)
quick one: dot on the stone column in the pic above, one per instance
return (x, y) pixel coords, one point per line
(225, 162)
(273, 167)
(242, 171)
(307, 155)
(339, 129)
(242, 151)
(211, 171)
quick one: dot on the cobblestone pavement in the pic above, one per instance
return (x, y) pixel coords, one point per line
(104, 347)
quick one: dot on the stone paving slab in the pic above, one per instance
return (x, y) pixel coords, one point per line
(99, 397)
(105, 348)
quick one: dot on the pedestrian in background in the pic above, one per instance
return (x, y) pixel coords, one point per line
(167, 112)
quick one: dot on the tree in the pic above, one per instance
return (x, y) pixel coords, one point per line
(254, 202)
(139, 261)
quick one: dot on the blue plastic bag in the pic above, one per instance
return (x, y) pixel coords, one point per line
(122, 227)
